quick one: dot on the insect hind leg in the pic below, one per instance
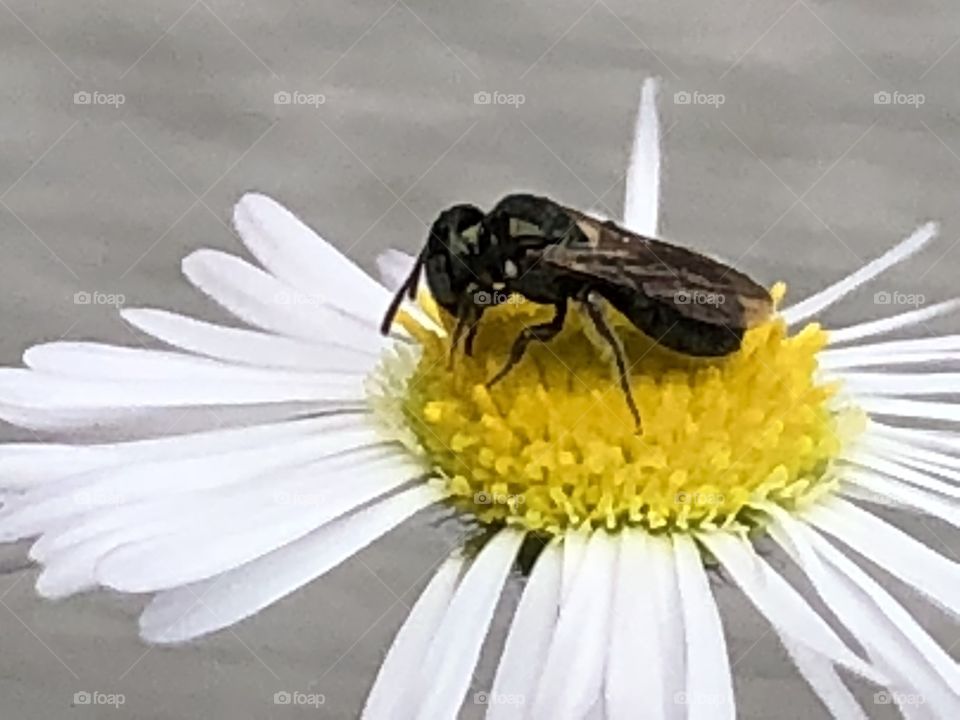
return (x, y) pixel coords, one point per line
(595, 313)
(541, 333)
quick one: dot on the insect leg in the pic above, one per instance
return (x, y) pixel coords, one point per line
(595, 313)
(468, 318)
(540, 333)
(472, 334)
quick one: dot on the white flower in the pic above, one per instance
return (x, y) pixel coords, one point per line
(229, 472)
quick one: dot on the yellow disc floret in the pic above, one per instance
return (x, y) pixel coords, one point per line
(553, 446)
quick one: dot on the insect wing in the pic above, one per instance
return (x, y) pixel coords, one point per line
(695, 285)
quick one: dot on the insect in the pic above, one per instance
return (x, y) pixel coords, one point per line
(551, 254)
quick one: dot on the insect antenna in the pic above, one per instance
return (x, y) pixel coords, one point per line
(408, 288)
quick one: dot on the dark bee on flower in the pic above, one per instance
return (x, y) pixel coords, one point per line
(552, 255)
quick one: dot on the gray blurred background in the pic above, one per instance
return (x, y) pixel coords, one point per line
(129, 129)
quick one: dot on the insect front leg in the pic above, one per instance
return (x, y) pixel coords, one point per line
(468, 321)
(541, 333)
(595, 313)
(472, 334)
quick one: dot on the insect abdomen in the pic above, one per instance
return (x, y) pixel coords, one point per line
(670, 328)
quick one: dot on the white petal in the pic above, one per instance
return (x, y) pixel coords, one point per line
(889, 324)
(646, 665)
(273, 515)
(574, 551)
(641, 206)
(908, 495)
(99, 425)
(905, 496)
(916, 350)
(200, 608)
(97, 361)
(787, 611)
(902, 384)
(447, 669)
(889, 347)
(856, 492)
(896, 407)
(25, 465)
(79, 544)
(248, 347)
(528, 641)
(896, 552)
(71, 571)
(29, 389)
(891, 637)
(395, 267)
(823, 299)
(265, 302)
(572, 677)
(904, 453)
(837, 363)
(104, 487)
(905, 474)
(297, 255)
(392, 696)
(825, 681)
(709, 686)
(948, 442)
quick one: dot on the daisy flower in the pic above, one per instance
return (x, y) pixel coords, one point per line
(246, 461)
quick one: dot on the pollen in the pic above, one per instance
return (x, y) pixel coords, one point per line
(554, 446)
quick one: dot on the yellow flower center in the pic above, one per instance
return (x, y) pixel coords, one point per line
(553, 446)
